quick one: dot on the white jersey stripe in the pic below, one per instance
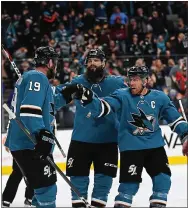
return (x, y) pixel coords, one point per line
(31, 106)
(30, 115)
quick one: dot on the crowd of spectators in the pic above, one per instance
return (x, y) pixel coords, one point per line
(130, 33)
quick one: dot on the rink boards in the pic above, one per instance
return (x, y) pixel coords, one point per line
(173, 148)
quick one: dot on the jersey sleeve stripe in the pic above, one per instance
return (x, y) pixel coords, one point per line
(176, 123)
(174, 127)
(105, 108)
(102, 111)
(173, 123)
(30, 115)
(31, 111)
(31, 106)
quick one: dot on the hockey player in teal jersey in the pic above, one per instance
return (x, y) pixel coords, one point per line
(138, 111)
(93, 140)
(33, 104)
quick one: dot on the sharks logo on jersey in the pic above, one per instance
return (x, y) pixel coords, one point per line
(144, 121)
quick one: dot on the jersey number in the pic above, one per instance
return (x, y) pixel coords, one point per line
(35, 87)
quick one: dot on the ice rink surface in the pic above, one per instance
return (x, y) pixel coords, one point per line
(177, 196)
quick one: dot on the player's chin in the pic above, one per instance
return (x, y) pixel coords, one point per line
(134, 91)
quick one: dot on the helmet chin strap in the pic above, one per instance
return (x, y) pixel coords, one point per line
(142, 89)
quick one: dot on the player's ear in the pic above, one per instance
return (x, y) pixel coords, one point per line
(50, 63)
(145, 82)
(103, 64)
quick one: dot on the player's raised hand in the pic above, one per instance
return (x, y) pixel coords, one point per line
(83, 94)
(68, 92)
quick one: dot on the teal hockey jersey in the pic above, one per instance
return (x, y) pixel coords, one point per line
(87, 128)
(33, 104)
(138, 117)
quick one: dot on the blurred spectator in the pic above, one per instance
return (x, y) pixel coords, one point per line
(47, 21)
(119, 33)
(79, 21)
(89, 19)
(158, 69)
(66, 22)
(181, 27)
(11, 38)
(117, 13)
(177, 44)
(179, 80)
(79, 37)
(65, 48)
(161, 44)
(20, 53)
(177, 68)
(142, 23)
(132, 28)
(61, 33)
(45, 40)
(73, 44)
(104, 37)
(63, 74)
(140, 62)
(72, 20)
(183, 10)
(24, 66)
(113, 48)
(100, 14)
(135, 48)
(157, 23)
(149, 46)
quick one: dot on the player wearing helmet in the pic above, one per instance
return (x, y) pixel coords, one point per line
(33, 104)
(93, 140)
(138, 111)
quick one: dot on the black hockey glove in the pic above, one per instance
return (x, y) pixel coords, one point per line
(45, 141)
(84, 94)
(68, 92)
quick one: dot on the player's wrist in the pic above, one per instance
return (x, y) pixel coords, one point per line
(184, 137)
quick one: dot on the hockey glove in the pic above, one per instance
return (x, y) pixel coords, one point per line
(45, 141)
(184, 140)
(84, 94)
(68, 92)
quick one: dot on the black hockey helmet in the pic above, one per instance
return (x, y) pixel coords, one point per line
(43, 55)
(141, 71)
(95, 53)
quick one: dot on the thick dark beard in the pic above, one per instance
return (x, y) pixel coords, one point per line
(50, 73)
(95, 76)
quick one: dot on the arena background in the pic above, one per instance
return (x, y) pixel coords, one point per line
(141, 33)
